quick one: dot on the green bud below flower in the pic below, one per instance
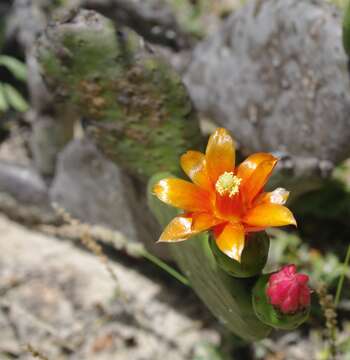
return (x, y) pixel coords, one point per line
(253, 259)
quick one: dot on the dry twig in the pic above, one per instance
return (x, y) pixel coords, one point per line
(329, 310)
(87, 239)
(36, 353)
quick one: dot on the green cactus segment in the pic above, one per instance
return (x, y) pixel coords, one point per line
(253, 260)
(228, 298)
(269, 314)
(136, 107)
(346, 29)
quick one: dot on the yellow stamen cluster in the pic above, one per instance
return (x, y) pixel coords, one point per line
(228, 183)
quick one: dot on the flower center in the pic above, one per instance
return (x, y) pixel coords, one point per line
(228, 183)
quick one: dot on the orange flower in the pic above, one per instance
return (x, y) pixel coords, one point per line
(226, 199)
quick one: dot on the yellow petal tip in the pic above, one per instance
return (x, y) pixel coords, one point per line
(156, 188)
(233, 256)
(235, 253)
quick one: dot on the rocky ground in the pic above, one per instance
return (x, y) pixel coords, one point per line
(61, 301)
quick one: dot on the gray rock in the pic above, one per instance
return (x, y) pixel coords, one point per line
(48, 138)
(94, 190)
(24, 195)
(52, 126)
(276, 76)
(23, 183)
(62, 301)
(152, 19)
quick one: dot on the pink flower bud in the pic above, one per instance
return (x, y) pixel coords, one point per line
(288, 291)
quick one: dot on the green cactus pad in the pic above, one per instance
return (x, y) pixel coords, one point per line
(268, 314)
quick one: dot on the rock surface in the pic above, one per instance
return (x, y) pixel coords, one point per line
(94, 190)
(61, 300)
(24, 195)
(23, 183)
(152, 19)
(276, 76)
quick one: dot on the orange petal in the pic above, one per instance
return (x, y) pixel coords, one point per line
(179, 229)
(266, 215)
(228, 208)
(194, 165)
(231, 241)
(247, 167)
(279, 196)
(257, 180)
(182, 194)
(220, 154)
(184, 226)
(204, 221)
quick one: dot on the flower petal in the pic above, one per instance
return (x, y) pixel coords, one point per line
(247, 167)
(231, 241)
(278, 196)
(182, 194)
(184, 226)
(257, 180)
(220, 154)
(204, 221)
(266, 215)
(179, 229)
(194, 165)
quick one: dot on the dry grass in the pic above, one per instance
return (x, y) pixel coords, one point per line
(89, 242)
(35, 352)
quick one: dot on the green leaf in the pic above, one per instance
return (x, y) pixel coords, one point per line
(3, 102)
(14, 98)
(17, 68)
